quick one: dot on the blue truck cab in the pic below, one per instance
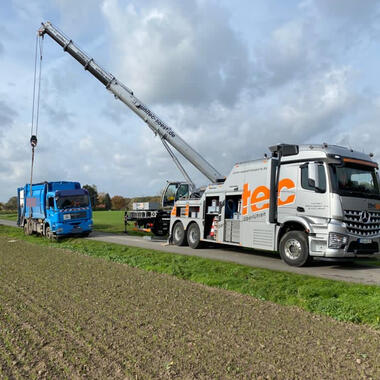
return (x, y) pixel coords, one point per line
(54, 209)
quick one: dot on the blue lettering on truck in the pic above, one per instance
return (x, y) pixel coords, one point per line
(54, 209)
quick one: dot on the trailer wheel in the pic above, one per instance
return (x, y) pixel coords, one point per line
(294, 248)
(194, 236)
(179, 235)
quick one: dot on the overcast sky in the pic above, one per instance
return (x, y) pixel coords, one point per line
(230, 77)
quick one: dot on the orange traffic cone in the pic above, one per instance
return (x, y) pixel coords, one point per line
(212, 231)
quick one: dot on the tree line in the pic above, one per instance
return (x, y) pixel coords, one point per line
(99, 201)
(103, 201)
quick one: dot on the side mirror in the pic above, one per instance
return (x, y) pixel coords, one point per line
(313, 177)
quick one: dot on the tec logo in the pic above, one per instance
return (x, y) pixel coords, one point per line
(258, 198)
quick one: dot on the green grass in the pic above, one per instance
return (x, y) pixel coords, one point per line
(113, 222)
(108, 221)
(8, 215)
(340, 300)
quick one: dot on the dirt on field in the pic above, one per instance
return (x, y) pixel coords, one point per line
(64, 315)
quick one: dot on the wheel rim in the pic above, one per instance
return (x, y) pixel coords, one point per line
(193, 235)
(177, 233)
(293, 249)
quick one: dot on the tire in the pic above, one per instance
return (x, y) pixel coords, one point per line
(294, 249)
(159, 227)
(86, 234)
(49, 234)
(194, 236)
(28, 228)
(179, 235)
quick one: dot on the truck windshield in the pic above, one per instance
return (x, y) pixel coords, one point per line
(355, 180)
(72, 201)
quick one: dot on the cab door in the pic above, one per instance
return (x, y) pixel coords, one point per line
(312, 195)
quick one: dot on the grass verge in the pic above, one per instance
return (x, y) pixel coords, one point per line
(8, 215)
(343, 301)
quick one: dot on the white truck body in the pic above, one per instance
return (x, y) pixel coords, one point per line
(240, 211)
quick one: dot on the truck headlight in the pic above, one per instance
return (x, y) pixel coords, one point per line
(337, 241)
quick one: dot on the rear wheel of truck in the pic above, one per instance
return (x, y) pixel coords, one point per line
(194, 236)
(179, 235)
(294, 248)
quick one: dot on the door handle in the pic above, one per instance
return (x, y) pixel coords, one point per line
(300, 209)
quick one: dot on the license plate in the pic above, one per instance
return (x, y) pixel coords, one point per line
(365, 241)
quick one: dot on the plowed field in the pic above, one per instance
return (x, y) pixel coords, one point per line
(64, 315)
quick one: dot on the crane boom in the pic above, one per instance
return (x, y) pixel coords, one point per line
(123, 93)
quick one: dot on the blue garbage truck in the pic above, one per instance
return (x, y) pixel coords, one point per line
(54, 209)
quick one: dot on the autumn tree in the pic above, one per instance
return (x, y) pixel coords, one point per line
(93, 194)
(118, 202)
(107, 202)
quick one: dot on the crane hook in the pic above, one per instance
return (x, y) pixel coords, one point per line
(33, 141)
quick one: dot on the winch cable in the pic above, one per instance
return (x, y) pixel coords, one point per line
(35, 109)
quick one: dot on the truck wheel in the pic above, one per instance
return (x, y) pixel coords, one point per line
(49, 234)
(179, 235)
(28, 228)
(294, 248)
(194, 236)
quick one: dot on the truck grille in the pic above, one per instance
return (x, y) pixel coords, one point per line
(78, 215)
(370, 226)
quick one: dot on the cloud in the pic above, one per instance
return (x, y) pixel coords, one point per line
(80, 16)
(291, 52)
(7, 116)
(350, 11)
(346, 23)
(175, 52)
(27, 10)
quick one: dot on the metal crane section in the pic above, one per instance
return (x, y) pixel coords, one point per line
(123, 93)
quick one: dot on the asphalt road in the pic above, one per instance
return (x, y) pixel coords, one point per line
(344, 271)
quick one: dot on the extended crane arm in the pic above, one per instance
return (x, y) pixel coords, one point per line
(123, 93)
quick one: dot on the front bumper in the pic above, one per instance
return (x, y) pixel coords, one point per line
(78, 228)
(356, 246)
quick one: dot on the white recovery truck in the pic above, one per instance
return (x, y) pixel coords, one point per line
(304, 201)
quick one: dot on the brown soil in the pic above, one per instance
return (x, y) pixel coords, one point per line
(64, 315)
